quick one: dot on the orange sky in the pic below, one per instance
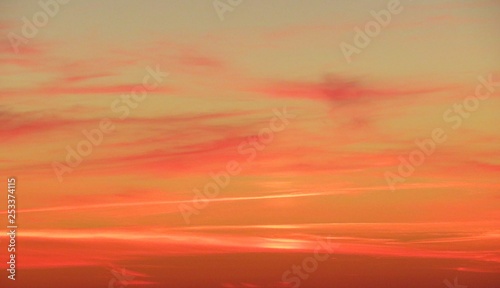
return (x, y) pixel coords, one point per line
(196, 144)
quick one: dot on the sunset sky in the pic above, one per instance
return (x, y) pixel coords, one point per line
(301, 146)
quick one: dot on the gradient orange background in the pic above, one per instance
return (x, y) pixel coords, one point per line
(320, 178)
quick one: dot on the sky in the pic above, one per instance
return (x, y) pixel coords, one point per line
(237, 143)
